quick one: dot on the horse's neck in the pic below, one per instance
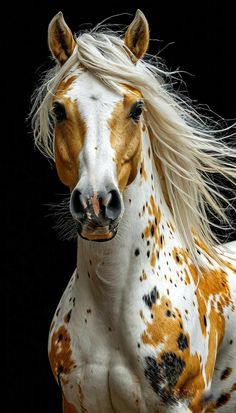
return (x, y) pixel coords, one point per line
(105, 270)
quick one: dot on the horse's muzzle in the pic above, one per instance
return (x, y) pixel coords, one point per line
(96, 216)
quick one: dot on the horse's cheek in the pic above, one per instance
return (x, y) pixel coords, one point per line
(66, 169)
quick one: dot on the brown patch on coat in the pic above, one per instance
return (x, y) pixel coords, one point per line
(155, 210)
(68, 407)
(163, 326)
(68, 142)
(125, 140)
(153, 258)
(180, 255)
(213, 289)
(60, 355)
(216, 334)
(187, 279)
(194, 273)
(152, 230)
(214, 284)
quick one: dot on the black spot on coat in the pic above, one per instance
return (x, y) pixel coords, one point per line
(225, 373)
(68, 316)
(151, 298)
(222, 399)
(182, 342)
(164, 375)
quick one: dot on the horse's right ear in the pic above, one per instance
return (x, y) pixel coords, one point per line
(60, 39)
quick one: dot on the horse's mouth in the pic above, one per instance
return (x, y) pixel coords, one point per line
(98, 233)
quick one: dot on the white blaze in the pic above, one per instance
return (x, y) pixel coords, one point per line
(96, 103)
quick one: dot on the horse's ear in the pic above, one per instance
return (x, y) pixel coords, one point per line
(60, 39)
(137, 35)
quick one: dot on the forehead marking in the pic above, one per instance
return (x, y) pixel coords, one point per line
(95, 102)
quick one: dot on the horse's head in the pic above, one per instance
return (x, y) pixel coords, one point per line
(97, 135)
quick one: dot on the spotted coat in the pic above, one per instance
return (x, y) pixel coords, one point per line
(138, 327)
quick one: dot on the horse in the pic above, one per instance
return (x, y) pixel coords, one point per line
(147, 321)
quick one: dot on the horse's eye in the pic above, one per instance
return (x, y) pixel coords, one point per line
(59, 111)
(136, 111)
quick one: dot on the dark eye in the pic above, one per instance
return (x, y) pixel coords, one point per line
(136, 111)
(59, 111)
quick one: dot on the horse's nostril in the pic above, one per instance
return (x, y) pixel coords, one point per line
(113, 208)
(105, 206)
(78, 205)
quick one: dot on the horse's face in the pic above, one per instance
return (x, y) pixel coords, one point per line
(97, 150)
(97, 141)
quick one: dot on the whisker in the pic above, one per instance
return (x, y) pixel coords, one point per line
(64, 223)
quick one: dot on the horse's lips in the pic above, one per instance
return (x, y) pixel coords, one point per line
(100, 233)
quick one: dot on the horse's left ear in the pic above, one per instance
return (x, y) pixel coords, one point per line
(60, 39)
(137, 35)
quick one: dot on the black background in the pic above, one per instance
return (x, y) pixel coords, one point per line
(38, 264)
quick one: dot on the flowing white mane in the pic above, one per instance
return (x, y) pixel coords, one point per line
(188, 149)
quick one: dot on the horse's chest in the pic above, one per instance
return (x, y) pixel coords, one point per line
(112, 388)
(98, 371)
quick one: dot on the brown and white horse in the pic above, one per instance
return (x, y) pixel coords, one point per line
(147, 323)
